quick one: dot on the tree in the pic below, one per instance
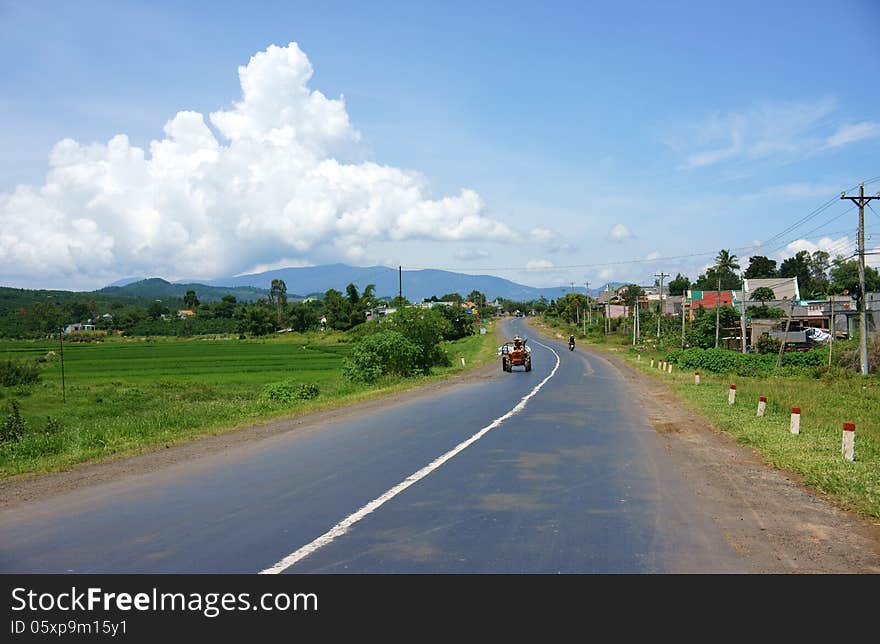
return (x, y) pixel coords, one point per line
(157, 310)
(302, 317)
(679, 285)
(763, 294)
(225, 308)
(451, 297)
(724, 262)
(337, 310)
(190, 300)
(278, 297)
(257, 320)
(477, 298)
(799, 267)
(845, 276)
(761, 267)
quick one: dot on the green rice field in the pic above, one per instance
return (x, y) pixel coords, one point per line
(127, 395)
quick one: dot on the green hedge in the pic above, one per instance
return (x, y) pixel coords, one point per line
(745, 364)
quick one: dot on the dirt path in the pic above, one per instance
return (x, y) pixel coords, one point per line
(767, 515)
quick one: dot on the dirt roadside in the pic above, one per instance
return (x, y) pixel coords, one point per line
(22, 489)
(775, 522)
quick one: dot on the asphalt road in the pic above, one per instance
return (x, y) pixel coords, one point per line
(576, 481)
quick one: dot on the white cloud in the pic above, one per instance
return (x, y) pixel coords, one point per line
(851, 133)
(783, 129)
(841, 246)
(281, 263)
(268, 187)
(470, 254)
(539, 264)
(619, 233)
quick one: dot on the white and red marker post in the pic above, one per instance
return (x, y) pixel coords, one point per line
(762, 405)
(696, 377)
(849, 441)
(731, 395)
(795, 420)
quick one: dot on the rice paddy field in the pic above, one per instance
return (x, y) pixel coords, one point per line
(127, 395)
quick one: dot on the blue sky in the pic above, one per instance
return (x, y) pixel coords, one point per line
(592, 133)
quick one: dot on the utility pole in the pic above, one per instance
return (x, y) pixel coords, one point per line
(683, 298)
(742, 316)
(662, 275)
(833, 332)
(589, 304)
(785, 335)
(860, 201)
(61, 344)
(400, 286)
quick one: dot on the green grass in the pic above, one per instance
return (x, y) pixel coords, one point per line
(125, 396)
(814, 454)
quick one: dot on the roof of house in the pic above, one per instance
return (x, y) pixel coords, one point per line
(784, 288)
(186, 312)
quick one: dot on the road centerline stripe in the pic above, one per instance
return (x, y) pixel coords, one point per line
(343, 526)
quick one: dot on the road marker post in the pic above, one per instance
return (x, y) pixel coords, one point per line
(462, 361)
(731, 395)
(762, 405)
(639, 358)
(669, 367)
(795, 420)
(696, 377)
(652, 363)
(849, 441)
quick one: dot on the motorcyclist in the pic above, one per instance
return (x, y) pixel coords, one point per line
(571, 341)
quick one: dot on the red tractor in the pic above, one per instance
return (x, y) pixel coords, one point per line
(515, 354)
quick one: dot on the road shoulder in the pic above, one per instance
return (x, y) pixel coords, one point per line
(767, 515)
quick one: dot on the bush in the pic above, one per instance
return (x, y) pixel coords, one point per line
(385, 352)
(766, 344)
(288, 392)
(744, 364)
(13, 425)
(424, 328)
(14, 373)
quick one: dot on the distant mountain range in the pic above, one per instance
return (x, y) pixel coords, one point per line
(156, 287)
(417, 285)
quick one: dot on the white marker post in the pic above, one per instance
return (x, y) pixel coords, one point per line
(762, 405)
(731, 395)
(669, 367)
(462, 361)
(795, 420)
(652, 363)
(696, 377)
(849, 441)
(639, 358)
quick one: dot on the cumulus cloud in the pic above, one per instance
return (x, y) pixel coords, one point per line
(266, 184)
(619, 233)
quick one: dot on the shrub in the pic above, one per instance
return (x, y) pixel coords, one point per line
(766, 344)
(424, 328)
(14, 373)
(13, 425)
(385, 352)
(742, 364)
(288, 392)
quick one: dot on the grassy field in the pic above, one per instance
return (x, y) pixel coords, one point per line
(127, 395)
(825, 402)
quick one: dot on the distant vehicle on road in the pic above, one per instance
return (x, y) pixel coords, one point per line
(518, 313)
(515, 354)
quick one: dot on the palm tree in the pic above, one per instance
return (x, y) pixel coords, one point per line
(723, 263)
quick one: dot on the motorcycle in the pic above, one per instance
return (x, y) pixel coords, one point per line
(571, 345)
